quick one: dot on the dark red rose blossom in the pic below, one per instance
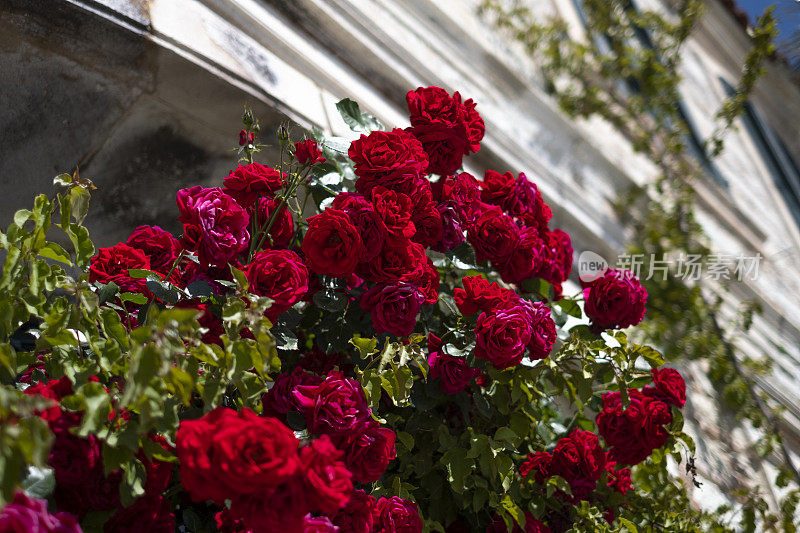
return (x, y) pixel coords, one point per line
(307, 152)
(392, 159)
(517, 196)
(634, 432)
(279, 275)
(479, 294)
(148, 513)
(30, 515)
(539, 463)
(332, 244)
(160, 247)
(282, 229)
(247, 183)
(328, 482)
(280, 398)
(556, 263)
(394, 211)
(396, 515)
(227, 454)
(369, 449)
(356, 516)
(214, 225)
(580, 460)
(279, 509)
(318, 524)
(615, 301)
(462, 193)
(55, 389)
(366, 221)
(618, 479)
(447, 128)
(543, 329)
(319, 362)
(393, 308)
(112, 264)
(400, 261)
(429, 225)
(502, 335)
(668, 386)
(334, 407)
(525, 258)
(226, 523)
(494, 236)
(453, 373)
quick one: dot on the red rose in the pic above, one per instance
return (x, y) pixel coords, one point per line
(112, 264)
(462, 191)
(279, 509)
(327, 480)
(429, 283)
(369, 450)
(632, 433)
(227, 454)
(502, 335)
(396, 515)
(158, 245)
(543, 329)
(519, 197)
(280, 275)
(580, 460)
(400, 261)
(55, 389)
(214, 225)
(334, 407)
(356, 516)
(393, 308)
(615, 301)
(525, 258)
(332, 244)
(318, 524)
(282, 229)
(429, 225)
(453, 373)
(494, 236)
(30, 515)
(539, 463)
(619, 480)
(668, 386)
(479, 294)
(366, 221)
(447, 128)
(394, 159)
(394, 211)
(656, 416)
(307, 153)
(148, 513)
(280, 398)
(247, 183)
(556, 263)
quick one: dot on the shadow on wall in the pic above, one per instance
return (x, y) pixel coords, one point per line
(137, 119)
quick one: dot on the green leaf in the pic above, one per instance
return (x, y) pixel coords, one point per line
(353, 117)
(141, 273)
(570, 307)
(39, 482)
(133, 297)
(79, 203)
(55, 252)
(22, 216)
(62, 180)
(365, 347)
(107, 292)
(630, 526)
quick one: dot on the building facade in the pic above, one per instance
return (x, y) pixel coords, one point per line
(144, 96)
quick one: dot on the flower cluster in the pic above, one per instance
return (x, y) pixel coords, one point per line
(615, 300)
(633, 432)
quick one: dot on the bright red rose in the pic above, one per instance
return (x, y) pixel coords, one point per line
(282, 229)
(55, 389)
(618, 479)
(228, 454)
(112, 264)
(668, 386)
(328, 483)
(366, 221)
(479, 294)
(394, 211)
(332, 244)
(428, 222)
(247, 183)
(394, 159)
(400, 261)
(335, 407)
(214, 225)
(453, 373)
(632, 433)
(369, 450)
(307, 152)
(396, 515)
(539, 463)
(556, 263)
(615, 301)
(280, 275)
(494, 236)
(356, 516)
(393, 308)
(502, 335)
(519, 197)
(30, 515)
(463, 192)
(160, 247)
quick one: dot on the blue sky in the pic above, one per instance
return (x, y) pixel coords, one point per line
(787, 12)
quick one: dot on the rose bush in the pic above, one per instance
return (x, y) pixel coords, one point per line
(390, 358)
